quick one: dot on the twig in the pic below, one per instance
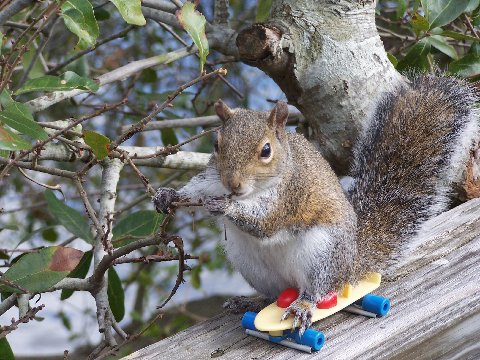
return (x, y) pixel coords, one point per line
(42, 143)
(30, 315)
(128, 340)
(13, 285)
(153, 258)
(137, 127)
(51, 187)
(90, 49)
(88, 207)
(178, 242)
(14, 8)
(209, 65)
(470, 26)
(120, 73)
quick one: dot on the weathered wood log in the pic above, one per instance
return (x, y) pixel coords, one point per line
(435, 296)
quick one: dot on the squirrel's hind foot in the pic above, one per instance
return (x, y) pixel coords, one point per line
(302, 310)
(241, 304)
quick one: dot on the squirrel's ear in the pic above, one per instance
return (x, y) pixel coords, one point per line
(279, 114)
(223, 111)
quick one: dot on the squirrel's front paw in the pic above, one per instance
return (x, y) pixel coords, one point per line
(302, 310)
(216, 206)
(163, 198)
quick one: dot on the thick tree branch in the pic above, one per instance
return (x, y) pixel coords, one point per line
(119, 74)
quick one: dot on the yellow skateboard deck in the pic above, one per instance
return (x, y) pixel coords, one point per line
(269, 318)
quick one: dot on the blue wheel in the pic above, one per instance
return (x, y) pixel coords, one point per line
(313, 338)
(376, 304)
(248, 320)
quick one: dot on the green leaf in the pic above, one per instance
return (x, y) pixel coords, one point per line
(419, 23)
(50, 234)
(79, 272)
(5, 97)
(472, 5)
(11, 227)
(169, 137)
(442, 12)
(416, 4)
(139, 224)
(37, 68)
(401, 8)
(392, 59)
(98, 142)
(194, 24)
(416, 57)
(131, 11)
(467, 66)
(116, 296)
(101, 14)
(79, 19)
(263, 10)
(68, 81)
(18, 116)
(148, 76)
(4, 153)
(38, 272)
(6, 352)
(440, 43)
(11, 141)
(459, 36)
(71, 219)
(195, 276)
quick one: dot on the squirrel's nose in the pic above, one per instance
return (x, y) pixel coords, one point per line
(234, 184)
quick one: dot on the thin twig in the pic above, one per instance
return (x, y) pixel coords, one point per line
(90, 49)
(137, 127)
(41, 144)
(30, 315)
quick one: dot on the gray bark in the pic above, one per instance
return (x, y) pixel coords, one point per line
(329, 60)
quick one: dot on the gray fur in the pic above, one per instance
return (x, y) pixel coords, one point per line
(405, 163)
(288, 222)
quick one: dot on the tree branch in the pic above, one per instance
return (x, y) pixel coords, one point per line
(14, 8)
(118, 74)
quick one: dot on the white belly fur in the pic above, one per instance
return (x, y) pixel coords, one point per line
(283, 260)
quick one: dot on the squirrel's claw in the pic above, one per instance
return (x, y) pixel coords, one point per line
(163, 198)
(302, 310)
(216, 206)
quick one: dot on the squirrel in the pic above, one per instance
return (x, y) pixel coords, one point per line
(289, 223)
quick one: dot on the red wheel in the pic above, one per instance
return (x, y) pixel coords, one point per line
(287, 297)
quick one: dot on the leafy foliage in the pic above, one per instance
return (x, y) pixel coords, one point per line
(436, 35)
(98, 142)
(71, 219)
(138, 224)
(194, 24)
(116, 296)
(79, 18)
(131, 11)
(68, 81)
(6, 352)
(37, 272)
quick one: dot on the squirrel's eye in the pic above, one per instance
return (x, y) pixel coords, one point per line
(266, 151)
(215, 146)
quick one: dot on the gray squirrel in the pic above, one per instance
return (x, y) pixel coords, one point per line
(288, 222)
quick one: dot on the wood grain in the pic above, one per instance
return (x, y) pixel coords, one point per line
(436, 297)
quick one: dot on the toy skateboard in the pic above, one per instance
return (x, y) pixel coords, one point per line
(267, 324)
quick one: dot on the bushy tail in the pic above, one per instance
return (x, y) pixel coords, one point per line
(405, 163)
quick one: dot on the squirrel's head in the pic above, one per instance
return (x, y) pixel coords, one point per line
(251, 148)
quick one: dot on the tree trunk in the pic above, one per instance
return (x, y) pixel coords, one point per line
(327, 57)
